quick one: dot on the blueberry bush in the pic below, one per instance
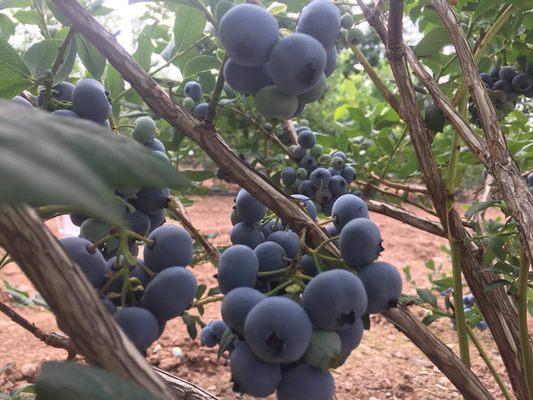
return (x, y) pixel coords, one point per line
(321, 112)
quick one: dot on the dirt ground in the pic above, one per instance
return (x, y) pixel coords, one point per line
(385, 366)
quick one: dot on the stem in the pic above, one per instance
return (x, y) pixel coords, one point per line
(394, 151)
(62, 49)
(328, 240)
(200, 4)
(488, 362)
(455, 247)
(149, 242)
(208, 300)
(273, 273)
(174, 58)
(43, 26)
(280, 287)
(212, 109)
(522, 321)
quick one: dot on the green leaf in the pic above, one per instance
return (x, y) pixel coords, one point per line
(496, 283)
(143, 54)
(432, 42)
(200, 64)
(30, 17)
(115, 84)
(479, 207)
(68, 380)
(91, 58)
(14, 72)
(41, 55)
(429, 319)
(427, 297)
(7, 27)
(188, 27)
(190, 323)
(198, 176)
(46, 160)
(14, 4)
(200, 290)
(66, 67)
(226, 341)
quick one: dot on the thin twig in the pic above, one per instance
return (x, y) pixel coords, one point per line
(213, 103)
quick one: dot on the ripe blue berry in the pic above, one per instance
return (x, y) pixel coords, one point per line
(89, 100)
(346, 208)
(172, 248)
(139, 325)
(246, 80)
(246, 234)
(250, 210)
(236, 306)
(193, 90)
(322, 20)
(360, 242)
(237, 267)
(90, 261)
(271, 256)
(383, 284)
(304, 382)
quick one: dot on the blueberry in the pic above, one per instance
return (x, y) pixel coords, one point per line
(61, 91)
(288, 176)
(507, 73)
(468, 300)
(138, 222)
(238, 267)
(360, 242)
(289, 240)
(274, 225)
(155, 145)
(250, 210)
(306, 139)
(89, 100)
(193, 90)
(307, 263)
(271, 256)
(21, 101)
(323, 196)
(308, 162)
(337, 185)
(306, 188)
(200, 110)
(207, 337)
(332, 230)
(248, 32)
(157, 219)
(304, 382)
(250, 375)
(502, 85)
(139, 325)
(487, 80)
(135, 271)
(522, 82)
(236, 306)
(321, 20)
(346, 208)
(350, 338)
(246, 80)
(246, 234)
(315, 93)
(309, 205)
(383, 284)
(151, 200)
(324, 350)
(331, 61)
(320, 178)
(90, 261)
(170, 293)
(334, 299)
(348, 173)
(172, 247)
(77, 218)
(278, 330)
(297, 63)
(298, 152)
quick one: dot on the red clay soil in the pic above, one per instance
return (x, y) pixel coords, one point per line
(385, 366)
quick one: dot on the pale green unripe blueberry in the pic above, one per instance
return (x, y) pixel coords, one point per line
(324, 350)
(347, 21)
(144, 130)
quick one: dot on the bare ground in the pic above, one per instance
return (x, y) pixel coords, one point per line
(385, 366)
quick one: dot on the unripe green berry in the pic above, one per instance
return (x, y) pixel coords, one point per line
(188, 103)
(324, 350)
(144, 130)
(347, 21)
(337, 163)
(301, 173)
(316, 150)
(354, 36)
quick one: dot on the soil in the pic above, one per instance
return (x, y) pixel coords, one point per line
(385, 366)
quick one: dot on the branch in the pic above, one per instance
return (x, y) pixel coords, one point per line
(406, 217)
(91, 329)
(413, 187)
(178, 211)
(441, 355)
(51, 339)
(500, 163)
(213, 104)
(289, 125)
(181, 388)
(208, 139)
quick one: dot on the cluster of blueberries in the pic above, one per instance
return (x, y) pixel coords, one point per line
(192, 101)
(321, 177)
(284, 74)
(87, 99)
(468, 304)
(288, 316)
(144, 294)
(141, 295)
(505, 85)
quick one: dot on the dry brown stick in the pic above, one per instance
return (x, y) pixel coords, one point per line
(409, 187)
(500, 163)
(202, 134)
(91, 329)
(289, 125)
(406, 217)
(499, 312)
(211, 250)
(441, 355)
(51, 339)
(179, 386)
